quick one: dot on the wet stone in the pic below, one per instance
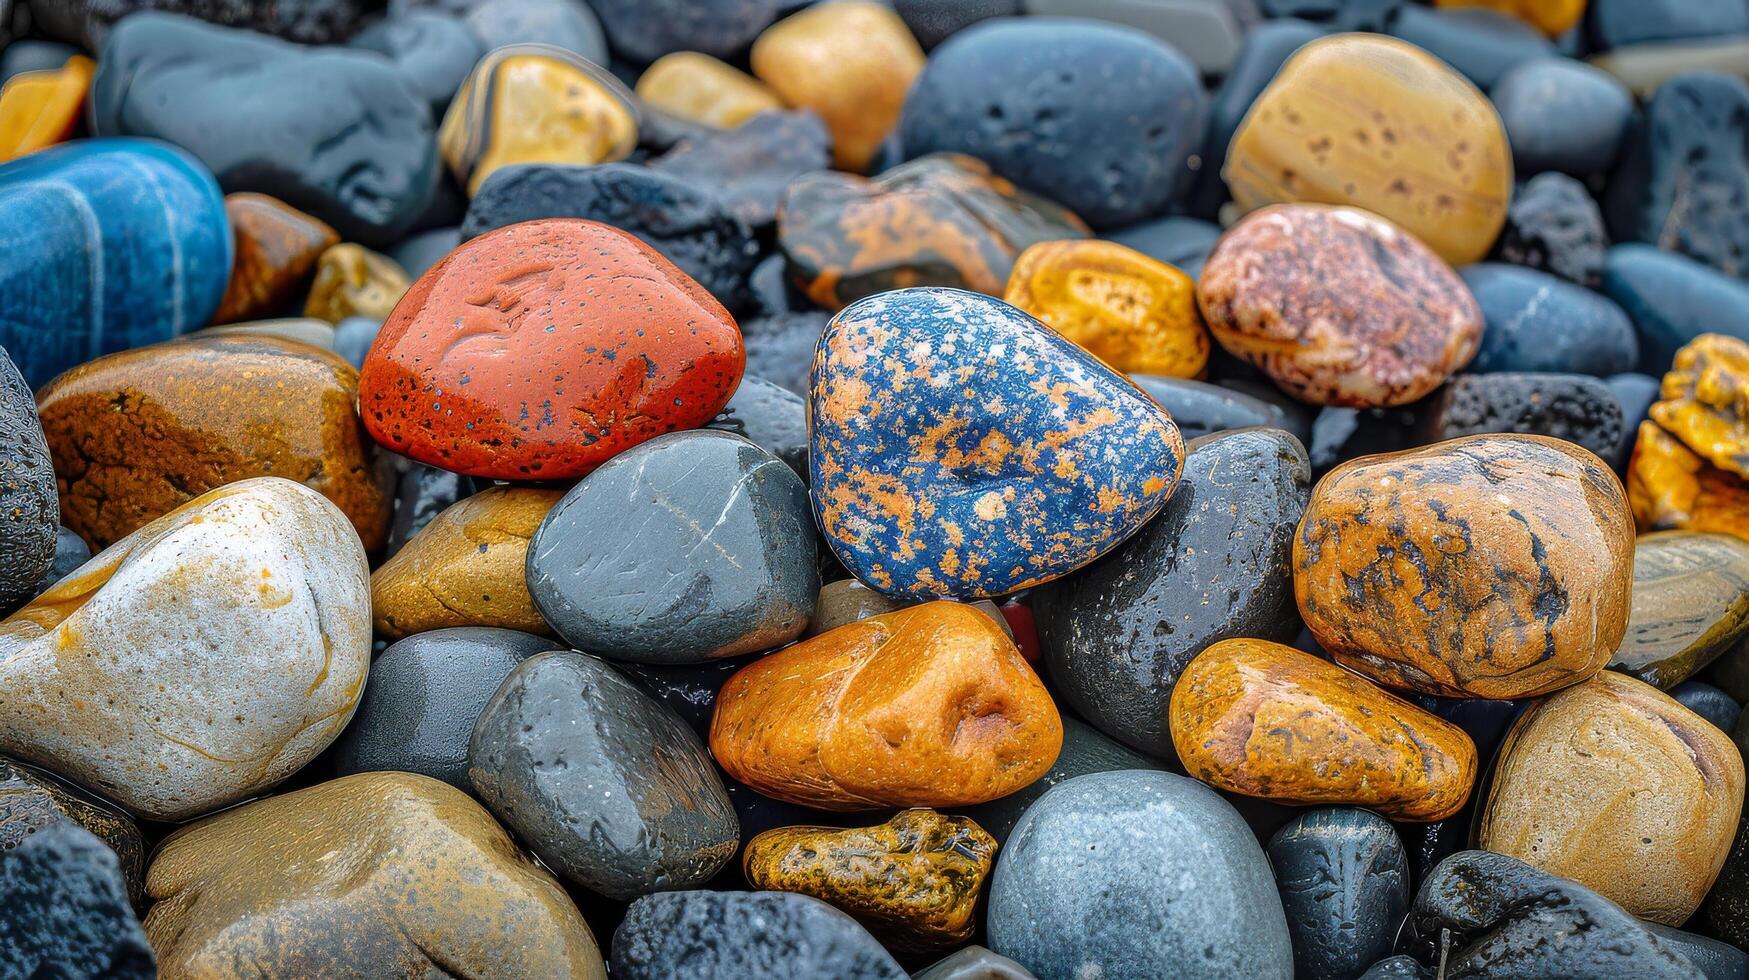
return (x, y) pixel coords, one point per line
(352, 280)
(697, 88)
(1672, 300)
(1705, 401)
(771, 417)
(1554, 225)
(64, 910)
(1670, 487)
(644, 30)
(1344, 880)
(33, 799)
(781, 347)
(934, 21)
(29, 505)
(704, 935)
(422, 492)
(1176, 241)
(1617, 23)
(352, 338)
(1690, 605)
(434, 49)
(424, 250)
(276, 248)
(44, 107)
(71, 551)
(1579, 409)
(1709, 702)
(751, 165)
(1536, 322)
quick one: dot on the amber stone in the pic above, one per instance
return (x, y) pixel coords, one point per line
(1495, 566)
(1263, 719)
(699, 88)
(41, 108)
(928, 706)
(1690, 604)
(1378, 123)
(381, 874)
(352, 280)
(850, 61)
(913, 881)
(1132, 312)
(1552, 17)
(465, 568)
(276, 247)
(1672, 487)
(1338, 306)
(32, 798)
(1615, 785)
(534, 103)
(1704, 401)
(940, 220)
(136, 434)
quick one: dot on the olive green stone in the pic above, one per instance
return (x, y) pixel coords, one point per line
(1690, 604)
(32, 799)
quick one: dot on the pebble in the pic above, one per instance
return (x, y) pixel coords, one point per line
(1554, 225)
(1214, 565)
(422, 698)
(1208, 32)
(643, 31)
(71, 551)
(928, 706)
(1357, 744)
(1200, 409)
(35, 54)
(690, 547)
(1703, 401)
(1672, 300)
(1494, 566)
(1177, 241)
(751, 165)
(1481, 44)
(376, 874)
(198, 414)
(1572, 407)
(1369, 316)
(32, 800)
(934, 21)
(1636, 392)
(1709, 702)
(352, 280)
(609, 381)
(29, 505)
(923, 492)
(1085, 750)
(44, 107)
(1562, 115)
(244, 617)
(782, 347)
(434, 49)
(1143, 874)
(700, 89)
(1690, 605)
(276, 250)
(705, 935)
(353, 147)
(1642, 68)
(771, 417)
(1726, 911)
(1265, 48)
(418, 253)
(1344, 880)
(1615, 785)
(1538, 323)
(1133, 313)
(422, 492)
(66, 911)
(352, 338)
(1337, 15)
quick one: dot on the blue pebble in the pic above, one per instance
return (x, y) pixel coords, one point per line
(1175, 241)
(1709, 702)
(1481, 44)
(1562, 115)
(1672, 299)
(960, 448)
(106, 244)
(353, 337)
(1537, 322)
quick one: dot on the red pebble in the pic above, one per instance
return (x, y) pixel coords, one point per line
(1021, 624)
(542, 349)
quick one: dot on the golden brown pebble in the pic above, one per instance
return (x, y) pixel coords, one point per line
(913, 881)
(1671, 487)
(1704, 401)
(699, 88)
(1495, 566)
(1263, 719)
(276, 249)
(1615, 785)
(352, 280)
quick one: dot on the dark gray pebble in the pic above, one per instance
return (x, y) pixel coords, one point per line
(1344, 881)
(711, 935)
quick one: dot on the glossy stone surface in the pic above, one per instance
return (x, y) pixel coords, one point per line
(243, 618)
(690, 547)
(1265, 48)
(1174, 240)
(1214, 565)
(1344, 880)
(936, 221)
(1690, 604)
(1137, 874)
(771, 417)
(353, 148)
(1024, 95)
(1615, 785)
(379, 874)
(699, 88)
(1709, 702)
(1200, 409)
(465, 568)
(925, 492)
(928, 706)
(1536, 322)
(1671, 487)
(42, 108)
(705, 935)
(90, 235)
(751, 165)
(1135, 314)
(1489, 566)
(433, 48)
(32, 800)
(913, 880)
(1562, 115)
(1338, 306)
(1705, 401)
(66, 910)
(1672, 300)
(276, 247)
(1554, 225)
(1241, 705)
(851, 61)
(465, 336)
(352, 280)
(202, 413)
(29, 507)
(781, 348)
(1572, 407)
(1379, 124)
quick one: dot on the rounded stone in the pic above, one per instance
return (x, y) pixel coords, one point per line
(782, 347)
(1671, 487)
(277, 247)
(434, 49)
(1490, 566)
(1619, 23)
(42, 108)
(924, 491)
(420, 252)
(1098, 116)
(352, 280)
(1482, 45)
(1672, 300)
(1379, 124)
(137, 434)
(771, 417)
(1137, 874)
(1344, 881)
(690, 547)
(1266, 720)
(643, 31)
(29, 506)
(422, 698)
(928, 706)
(1338, 306)
(1536, 322)
(1174, 240)
(1690, 605)
(699, 88)
(243, 621)
(380, 874)
(1709, 702)
(1199, 408)
(1214, 565)
(538, 379)
(1613, 784)
(67, 910)
(352, 338)
(707, 935)
(1705, 401)
(608, 786)
(1554, 225)
(1265, 48)
(32, 800)
(1135, 314)
(1085, 750)
(1571, 407)
(1564, 115)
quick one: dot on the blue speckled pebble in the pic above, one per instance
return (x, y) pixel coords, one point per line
(961, 448)
(104, 245)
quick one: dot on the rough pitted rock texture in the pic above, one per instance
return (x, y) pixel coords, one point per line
(64, 910)
(1554, 225)
(29, 507)
(1573, 407)
(705, 935)
(88, 22)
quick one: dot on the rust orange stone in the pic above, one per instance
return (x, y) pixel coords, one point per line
(1263, 719)
(40, 108)
(928, 706)
(277, 247)
(542, 349)
(1671, 487)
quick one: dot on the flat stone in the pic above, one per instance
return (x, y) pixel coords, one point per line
(29, 506)
(32, 800)
(1562, 115)
(704, 935)
(1136, 314)
(1344, 880)
(434, 49)
(1085, 750)
(1709, 702)
(1536, 322)
(1690, 605)
(1481, 44)
(1573, 407)
(1200, 409)
(751, 165)
(1554, 225)
(643, 31)
(64, 910)
(697, 88)
(1672, 300)
(771, 417)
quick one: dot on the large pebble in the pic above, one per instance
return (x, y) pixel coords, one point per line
(1690, 605)
(1344, 880)
(644, 30)
(1199, 408)
(770, 416)
(709, 935)
(568, 24)
(64, 910)
(1536, 322)
(1562, 115)
(1572, 407)
(1085, 750)
(1266, 47)
(434, 49)
(1554, 225)
(29, 505)
(1672, 487)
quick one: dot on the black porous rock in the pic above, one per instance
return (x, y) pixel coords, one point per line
(711, 935)
(773, 417)
(1344, 880)
(1636, 393)
(1562, 115)
(32, 799)
(1553, 224)
(1481, 44)
(781, 348)
(749, 166)
(1200, 408)
(1265, 49)
(690, 225)
(30, 509)
(88, 23)
(1672, 299)
(1214, 565)
(1338, 15)
(568, 24)
(64, 910)
(644, 30)
(1536, 322)
(435, 50)
(423, 492)
(1573, 407)
(339, 133)
(934, 21)
(1709, 702)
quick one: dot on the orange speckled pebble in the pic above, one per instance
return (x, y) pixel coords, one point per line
(542, 349)
(1338, 306)
(1263, 719)
(1495, 566)
(927, 706)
